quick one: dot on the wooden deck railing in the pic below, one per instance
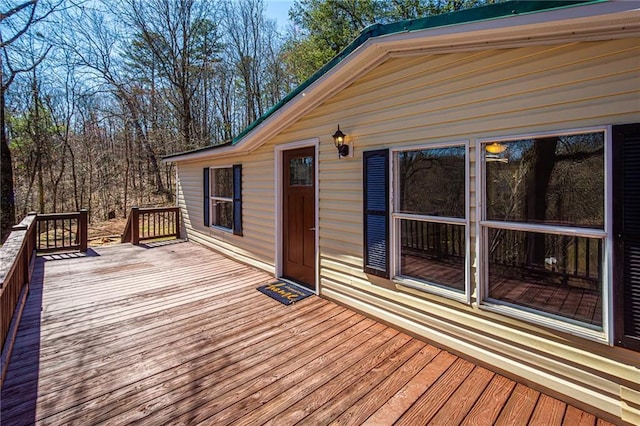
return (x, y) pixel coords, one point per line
(62, 231)
(151, 223)
(36, 233)
(16, 255)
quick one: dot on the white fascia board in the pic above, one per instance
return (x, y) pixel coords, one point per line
(199, 155)
(604, 19)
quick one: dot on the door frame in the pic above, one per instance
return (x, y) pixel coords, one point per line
(279, 166)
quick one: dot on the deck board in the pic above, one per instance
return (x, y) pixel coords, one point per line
(490, 403)
(327, 402)
(519, 407)
(178, 334)
(430, 402)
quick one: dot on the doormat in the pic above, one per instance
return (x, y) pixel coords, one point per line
(284, 293)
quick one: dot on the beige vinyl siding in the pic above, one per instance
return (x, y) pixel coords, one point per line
(256, 246)
(433, 98)
(458, 97)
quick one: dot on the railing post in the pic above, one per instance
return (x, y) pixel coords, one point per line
(177, 216)
(22, 258)
(33, 235)
(83, 230)
(135, 226)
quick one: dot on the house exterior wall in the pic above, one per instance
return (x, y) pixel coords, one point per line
(256, 246)
(417, 100)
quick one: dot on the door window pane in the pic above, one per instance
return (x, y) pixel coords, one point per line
(301, 171)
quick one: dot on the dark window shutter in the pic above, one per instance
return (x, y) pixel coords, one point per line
(237, 199)
(205, 190)
(376, 212)
(626, 229)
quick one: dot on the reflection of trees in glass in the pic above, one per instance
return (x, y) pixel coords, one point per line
(432, 181)
(223, 214)
(556, 180)
(222, 183)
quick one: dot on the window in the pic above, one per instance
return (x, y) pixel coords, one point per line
(221, 197)
(543, 228)
(222, 188)
(430, 217)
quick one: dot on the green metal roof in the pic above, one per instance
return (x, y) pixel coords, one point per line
(478, 14)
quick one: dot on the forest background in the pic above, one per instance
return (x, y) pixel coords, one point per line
(95, 92)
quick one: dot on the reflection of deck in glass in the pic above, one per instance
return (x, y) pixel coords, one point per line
(446, 274)
(433, 252)
(567, 284)
(558, 274)
(575, 303)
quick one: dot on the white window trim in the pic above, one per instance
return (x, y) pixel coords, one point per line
(213, 199)
(414, 283)
(576, 328)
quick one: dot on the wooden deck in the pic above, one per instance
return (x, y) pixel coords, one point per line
(177, 334)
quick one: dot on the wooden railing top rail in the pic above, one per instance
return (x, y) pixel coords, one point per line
(157, 209)
(49, 216)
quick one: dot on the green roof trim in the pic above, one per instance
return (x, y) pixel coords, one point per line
(477, 14)
(196, 150)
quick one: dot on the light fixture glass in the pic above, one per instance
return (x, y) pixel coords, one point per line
(338, 140)
(495, 148)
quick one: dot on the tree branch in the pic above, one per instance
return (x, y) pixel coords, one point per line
(26, 26)
(13, 72)
(5, 15)
(579, 156)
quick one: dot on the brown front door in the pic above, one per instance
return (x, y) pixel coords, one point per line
(298, 221)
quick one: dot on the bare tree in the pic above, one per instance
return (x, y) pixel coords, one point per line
(94, 43)
(181, 37)
(16, 22)
(126, 83)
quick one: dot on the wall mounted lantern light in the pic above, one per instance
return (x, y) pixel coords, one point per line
(338, 140)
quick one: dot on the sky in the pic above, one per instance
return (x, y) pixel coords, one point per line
(279, 10)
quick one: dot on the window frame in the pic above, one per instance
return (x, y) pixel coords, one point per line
(556, 322)
(215, 199)
(395, 218)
